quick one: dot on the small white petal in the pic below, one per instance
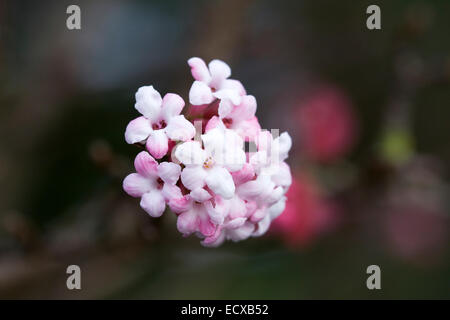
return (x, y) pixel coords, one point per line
(169, 172)
(200, 195)
(276, 209)
(148, 103)
(153, 203)
(200, 94)
(136, 185)
(219, 180)
(241, 233)
(178, 128)
(227, 94)
(219, 71)
(199, 69)
(138, 130)
(262, 226)
(172, 104)
(171, 192)
(190, 153)
(193, 177)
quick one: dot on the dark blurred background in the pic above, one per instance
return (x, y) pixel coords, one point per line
(368, 112)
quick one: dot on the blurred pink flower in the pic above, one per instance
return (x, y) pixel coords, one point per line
(327, 124)
(416, 233)
(306, 215)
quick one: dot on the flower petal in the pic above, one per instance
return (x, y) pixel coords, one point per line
(219, 71)
(242, 232)
(200, 94)
(187, 222)
(172, 104)
(245, 174)
(219, 180)
(235, 85)
(214, 240)
(235, 223)
(148, 103)
(245, 110)
(178, 128)
(136, 185)
(137, 130)
(190, 153)
(217, 212)
(169, 172)
(262, 226)
(200, 195)
(276, 209)
(145, 165)
(171, 192)
(193, 177)
(199, 69)
(229, 95)
(282, 177)
(158, 144)
(153, 203)
(179, 205)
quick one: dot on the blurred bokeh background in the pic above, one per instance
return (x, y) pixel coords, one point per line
(369, 113)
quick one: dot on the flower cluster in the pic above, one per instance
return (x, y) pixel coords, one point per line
(218, 189)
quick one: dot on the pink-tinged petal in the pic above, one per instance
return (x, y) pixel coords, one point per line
(242, 232)
(230, 95)
(158, 144)
(214, 240)
(218, 211)
(258, 215)
(225, 108)
(199, 69)
(213, 123)
(248, 129)
(251, 190)
(172, 104)
(200, 94)
(193, 177)
(245, 110)
(190, 153)
(178, 128)
(262, 227)
(179, 205)
(252, 206)
(148, 103)
(235, 159)
(234, 85)
(138, 130)
(264, 140)
(237, 208)
(188, 222)
(153, 203)
(145, 165)
(169, 172)
(245, 174)
(170, 191)
(235, 223)
(219, 71)
(136, 185)
(200, 195)
(219, 180)
(275, 195)
(283, 176)
(276, 209)
(206, 227)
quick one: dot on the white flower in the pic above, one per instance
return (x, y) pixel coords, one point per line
(161, 121)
